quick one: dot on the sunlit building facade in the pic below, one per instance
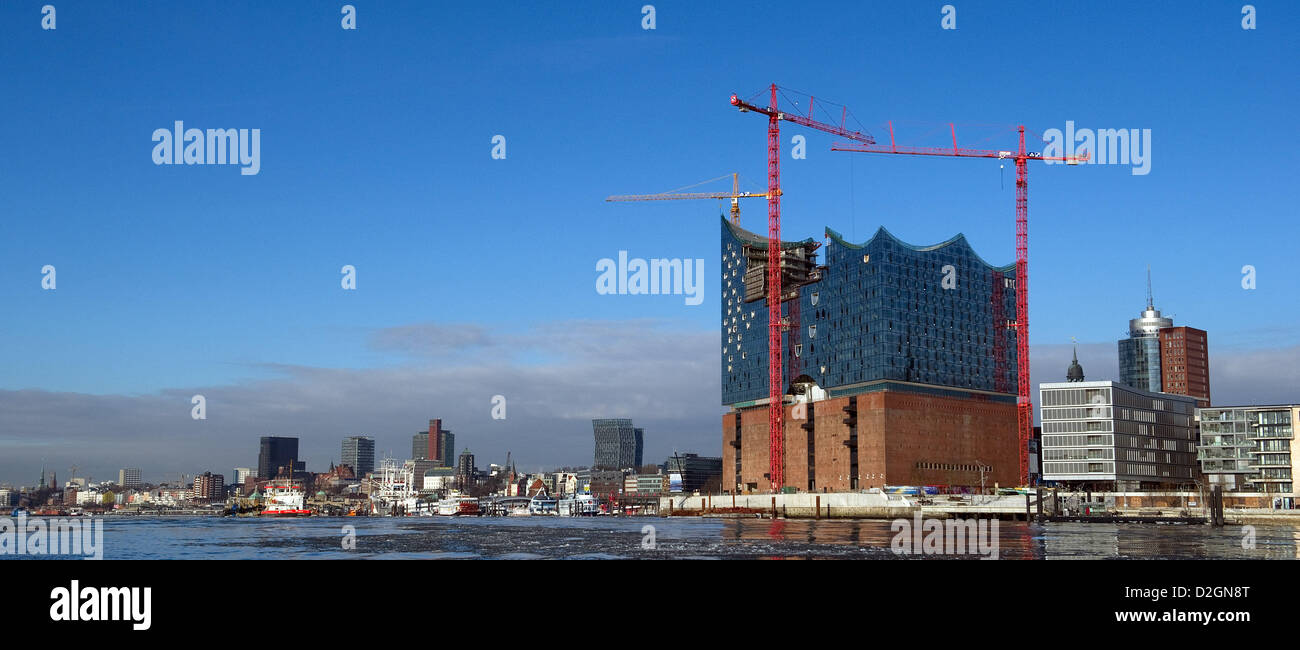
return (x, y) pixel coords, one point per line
(1248, 448)
(899, 365)
(1106, 435)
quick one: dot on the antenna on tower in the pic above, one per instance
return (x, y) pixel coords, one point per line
(1151, 304)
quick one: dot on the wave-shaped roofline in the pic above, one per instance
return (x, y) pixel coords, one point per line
(760, 241)
(959, 239)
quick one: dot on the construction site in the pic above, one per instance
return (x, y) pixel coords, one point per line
(883, 364)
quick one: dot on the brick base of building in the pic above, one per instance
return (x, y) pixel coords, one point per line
(901, 438)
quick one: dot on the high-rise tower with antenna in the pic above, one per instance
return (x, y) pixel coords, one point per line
(1139, 354)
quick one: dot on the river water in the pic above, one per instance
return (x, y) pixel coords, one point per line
(671, 538)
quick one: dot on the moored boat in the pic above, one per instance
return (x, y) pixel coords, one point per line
(543, 505)
(285, 499)
(458, 505)
(578, 505)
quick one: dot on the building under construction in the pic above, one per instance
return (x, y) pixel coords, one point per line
(899, 368)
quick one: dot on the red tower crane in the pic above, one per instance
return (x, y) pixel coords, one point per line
(775, 324)
(1024, 407)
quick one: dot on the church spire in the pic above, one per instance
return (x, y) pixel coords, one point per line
(1075, 371)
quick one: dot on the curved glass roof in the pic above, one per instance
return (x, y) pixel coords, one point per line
(958, 240)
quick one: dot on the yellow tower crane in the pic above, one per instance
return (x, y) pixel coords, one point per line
(735, 195)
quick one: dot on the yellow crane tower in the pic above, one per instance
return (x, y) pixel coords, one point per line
(735, 195)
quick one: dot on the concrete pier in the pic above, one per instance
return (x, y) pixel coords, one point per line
(1042, 506)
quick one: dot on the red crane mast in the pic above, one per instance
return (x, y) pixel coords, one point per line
(1024, 406)
(775, 324)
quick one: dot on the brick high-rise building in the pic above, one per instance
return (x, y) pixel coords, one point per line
(209, 487)
(1185, 363)
(899, 368)
(436, 444)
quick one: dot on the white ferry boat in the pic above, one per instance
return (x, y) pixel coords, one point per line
(285, 499)
(578, 505)
(456, 504)
(543, 505)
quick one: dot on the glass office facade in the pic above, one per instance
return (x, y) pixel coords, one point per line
(882, 310)
(277, 452)
(1139, 362)
(1253, 443)
(619, 445)
(359, 454)
(1139, 354)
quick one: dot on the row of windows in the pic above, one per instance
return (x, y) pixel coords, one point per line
(1079, 468)
(1077, 426)
(953, 467)
(1075, 396)
(1076, 413)
(1157, 430)
(1078, 441)
(1078, 454)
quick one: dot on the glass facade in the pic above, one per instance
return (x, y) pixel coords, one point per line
(359, 454)
(1139, 362)
(277, 452)
(1139, 354)
(882, 310)
(1251, 442)
(619, 445)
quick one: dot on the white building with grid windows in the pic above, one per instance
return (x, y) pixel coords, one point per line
(1109, 436)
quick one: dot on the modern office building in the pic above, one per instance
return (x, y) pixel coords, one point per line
(278, 454)
(1248, 448)
(359, 454)
(643, 484)
(690, 472)
(1139, 354)
(899, 364)
(1161, 358)
(619, 445)
(209, 487)
(436, 444)
(420, 447)
(1106, 435)
(242, 474)
(129, 477)
(465, 470)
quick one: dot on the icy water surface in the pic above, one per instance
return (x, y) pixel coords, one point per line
(623, 538)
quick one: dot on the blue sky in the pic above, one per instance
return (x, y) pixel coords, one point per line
(375, 152)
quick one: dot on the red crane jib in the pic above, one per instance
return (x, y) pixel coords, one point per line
(1024, 405)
